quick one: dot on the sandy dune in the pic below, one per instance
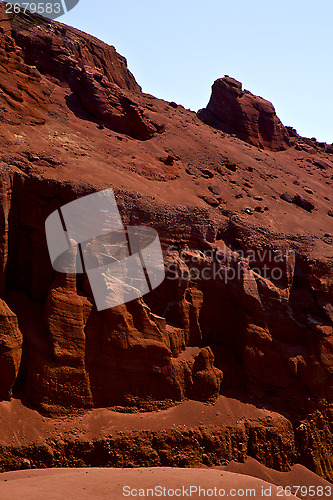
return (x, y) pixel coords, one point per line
(299, 475)
(59, 484)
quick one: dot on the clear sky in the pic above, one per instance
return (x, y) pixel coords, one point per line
(281, 50)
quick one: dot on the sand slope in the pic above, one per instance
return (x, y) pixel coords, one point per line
(59, 484)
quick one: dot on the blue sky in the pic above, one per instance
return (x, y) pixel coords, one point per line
(281, 50)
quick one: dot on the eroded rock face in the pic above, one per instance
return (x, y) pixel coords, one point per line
(249, 117)
(10, 350)
(95, 73)
(60, 51)
(206, 378)
(113, 106)
(120, 356)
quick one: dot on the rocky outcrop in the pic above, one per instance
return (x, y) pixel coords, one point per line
(10, 350)
(315, 442)
(125, 355)
(95, 73)
(249, 117)
(113, 106)
(206, 378)
(61, 52)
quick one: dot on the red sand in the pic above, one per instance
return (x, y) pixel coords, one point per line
(298, 475)
(59, 484)
(21, 426)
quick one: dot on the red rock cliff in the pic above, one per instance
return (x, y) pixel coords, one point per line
(249, 117)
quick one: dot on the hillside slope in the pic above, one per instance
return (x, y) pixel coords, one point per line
(254, 321)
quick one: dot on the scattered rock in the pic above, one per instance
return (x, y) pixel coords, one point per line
(291, 131)
(207, 174)
(305, 147)
(210, 200)
(299, 201)
(190, 170)
(214, 189)
(25, 463)
(286, 197)
(321, 164)
(231, 166)
(167, 160)
(302, 203)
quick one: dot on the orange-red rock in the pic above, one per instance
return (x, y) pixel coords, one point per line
(249, 117)
(10, 350)
(249, 288)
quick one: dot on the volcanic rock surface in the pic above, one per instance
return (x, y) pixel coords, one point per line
(249, 117)
(246, 308)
